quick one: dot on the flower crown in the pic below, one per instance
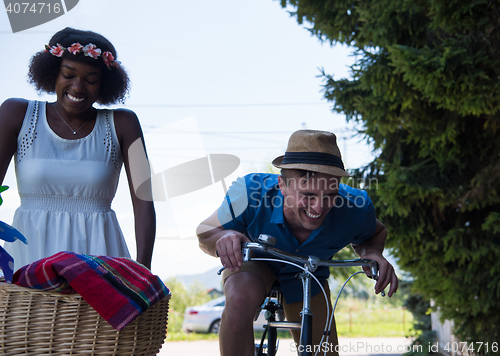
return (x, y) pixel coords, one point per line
(89, 50)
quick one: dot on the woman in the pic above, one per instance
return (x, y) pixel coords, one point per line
(68, 155)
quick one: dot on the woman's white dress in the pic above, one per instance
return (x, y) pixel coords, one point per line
(66, 188)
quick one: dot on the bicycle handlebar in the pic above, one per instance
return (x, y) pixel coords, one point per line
(312, 262)
(265, 243)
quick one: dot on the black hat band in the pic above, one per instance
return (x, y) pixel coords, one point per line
(324, 159)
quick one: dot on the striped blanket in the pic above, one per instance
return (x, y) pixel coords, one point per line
(119, 289)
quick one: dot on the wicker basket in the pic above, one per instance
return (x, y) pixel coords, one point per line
(36, 322)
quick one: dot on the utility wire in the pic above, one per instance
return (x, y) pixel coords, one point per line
(217, 105)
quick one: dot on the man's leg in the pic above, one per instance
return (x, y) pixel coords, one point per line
(318, 306)
(244, 290)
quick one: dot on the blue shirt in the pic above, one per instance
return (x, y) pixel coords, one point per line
(254, 206)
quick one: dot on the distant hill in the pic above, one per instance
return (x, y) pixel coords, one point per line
(210, 279)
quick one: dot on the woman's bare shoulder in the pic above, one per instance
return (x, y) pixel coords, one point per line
(125, 114)
(15, 105)
(12, 112)
(127, 123)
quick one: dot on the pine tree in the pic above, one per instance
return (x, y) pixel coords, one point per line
(426, 91)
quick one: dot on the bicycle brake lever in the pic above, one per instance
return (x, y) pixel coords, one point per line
(374, 276)
(219, 272)
(245, 254)
(375, 279)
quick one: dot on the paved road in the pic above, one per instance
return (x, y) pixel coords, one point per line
(376, 346)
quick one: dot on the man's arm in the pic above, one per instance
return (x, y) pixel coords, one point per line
(372, 250)
(218, 242)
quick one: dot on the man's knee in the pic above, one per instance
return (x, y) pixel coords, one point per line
(241, 299)
(244, 293)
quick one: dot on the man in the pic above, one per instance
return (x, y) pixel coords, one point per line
(310, 213)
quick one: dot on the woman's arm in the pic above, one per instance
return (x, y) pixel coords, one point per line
(129, 133)
(12, 113)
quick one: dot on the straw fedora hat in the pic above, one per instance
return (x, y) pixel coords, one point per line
(315, 151)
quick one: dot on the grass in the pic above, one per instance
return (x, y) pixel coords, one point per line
(372, 323)
(354, 318)
(372, 318)
(182, 336)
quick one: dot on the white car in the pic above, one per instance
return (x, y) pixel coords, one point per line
(206, 318)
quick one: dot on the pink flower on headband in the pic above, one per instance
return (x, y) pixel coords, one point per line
(108, 58)
(75, 48)
(91, 50)
(57, 50)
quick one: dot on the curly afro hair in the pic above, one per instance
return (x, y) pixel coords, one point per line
(44, 67)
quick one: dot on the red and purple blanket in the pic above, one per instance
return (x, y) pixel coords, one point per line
(119, 289)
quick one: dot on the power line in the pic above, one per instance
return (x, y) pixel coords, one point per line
(217, 105)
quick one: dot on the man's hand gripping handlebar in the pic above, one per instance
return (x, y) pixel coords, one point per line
(265, 244)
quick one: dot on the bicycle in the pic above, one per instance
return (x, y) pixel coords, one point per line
(273, 304)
